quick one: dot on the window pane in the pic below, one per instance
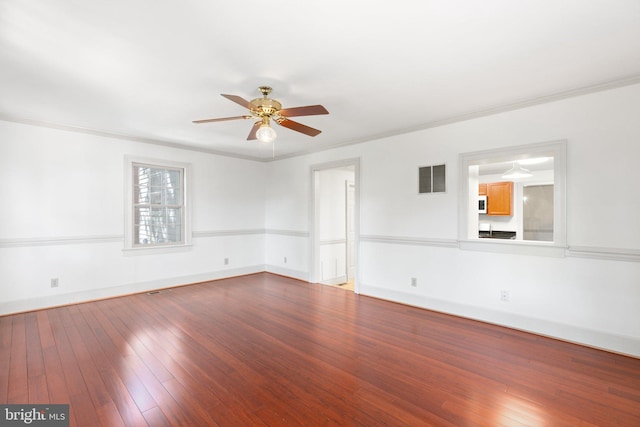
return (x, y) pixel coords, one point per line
(158, 205)
(172, 196)
(155, 195)
(174, 224)
(140, 195)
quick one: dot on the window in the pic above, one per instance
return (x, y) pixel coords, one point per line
(156, 204)
(535, 216)
(431, 179)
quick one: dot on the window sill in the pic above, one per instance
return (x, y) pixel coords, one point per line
(156, 250)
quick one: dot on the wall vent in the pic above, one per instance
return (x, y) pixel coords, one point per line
(432, 179)
(161, 291)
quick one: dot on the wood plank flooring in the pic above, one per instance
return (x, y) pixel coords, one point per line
(263, 350)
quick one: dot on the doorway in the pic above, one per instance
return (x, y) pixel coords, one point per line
(334, 230)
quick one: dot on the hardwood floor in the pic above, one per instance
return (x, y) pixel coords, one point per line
(270, 351)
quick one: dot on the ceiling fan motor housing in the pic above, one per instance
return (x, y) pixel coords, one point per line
(265, 106)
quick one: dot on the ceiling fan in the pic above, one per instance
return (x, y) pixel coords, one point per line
(265, 109)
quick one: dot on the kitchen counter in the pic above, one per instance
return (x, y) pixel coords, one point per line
(497, 234)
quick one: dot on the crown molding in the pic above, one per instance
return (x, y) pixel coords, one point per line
(105, 134)
(571, 93)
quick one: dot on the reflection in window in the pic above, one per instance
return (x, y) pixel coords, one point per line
(158, 205)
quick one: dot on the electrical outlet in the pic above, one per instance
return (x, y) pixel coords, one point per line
(226, 261)
(54, 283)
(504, 296)
(285, 260)
(414, 282)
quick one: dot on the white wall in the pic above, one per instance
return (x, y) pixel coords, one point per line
(62, 217)
(590, 295)
(287, 216)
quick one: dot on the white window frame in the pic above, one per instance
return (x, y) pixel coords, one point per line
(129, 247)
(467, 202)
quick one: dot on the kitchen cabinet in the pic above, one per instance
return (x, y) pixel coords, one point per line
(499, 197)
(482, 189)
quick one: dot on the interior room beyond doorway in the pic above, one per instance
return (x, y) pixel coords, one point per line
(335, 225)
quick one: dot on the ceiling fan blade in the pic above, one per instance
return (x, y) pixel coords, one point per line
(254, 130)
(238, 100)
(298, 127)
(223, 119)
(309, 110)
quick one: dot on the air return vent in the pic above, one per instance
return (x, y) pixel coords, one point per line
(432, 179)
(161, 291)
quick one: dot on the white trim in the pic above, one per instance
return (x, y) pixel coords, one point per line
(512, 247)
(187, 168)
(412, 241)
(104, 134)
(155, 250)
(615, 254)
(49, 301)
(61, 240)
(222, 233)
(515, 247)
(593, 338)
(110, 238)
(294, 233)
(287, 272)
(333, 242)
(314, 241)
(559, 150)
(572, 93)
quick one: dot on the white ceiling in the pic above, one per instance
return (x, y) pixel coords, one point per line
(145, 70)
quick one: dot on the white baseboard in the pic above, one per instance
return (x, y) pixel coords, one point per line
(20, 306)
(589, 337)
(295, 274)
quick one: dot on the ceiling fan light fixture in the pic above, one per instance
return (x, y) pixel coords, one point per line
(516, 172)
(533, 161)
(266, 133)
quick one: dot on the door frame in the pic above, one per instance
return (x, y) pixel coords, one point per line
(314, 217)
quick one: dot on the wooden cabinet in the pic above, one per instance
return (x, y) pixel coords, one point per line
(499, 197)
(482, 189)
